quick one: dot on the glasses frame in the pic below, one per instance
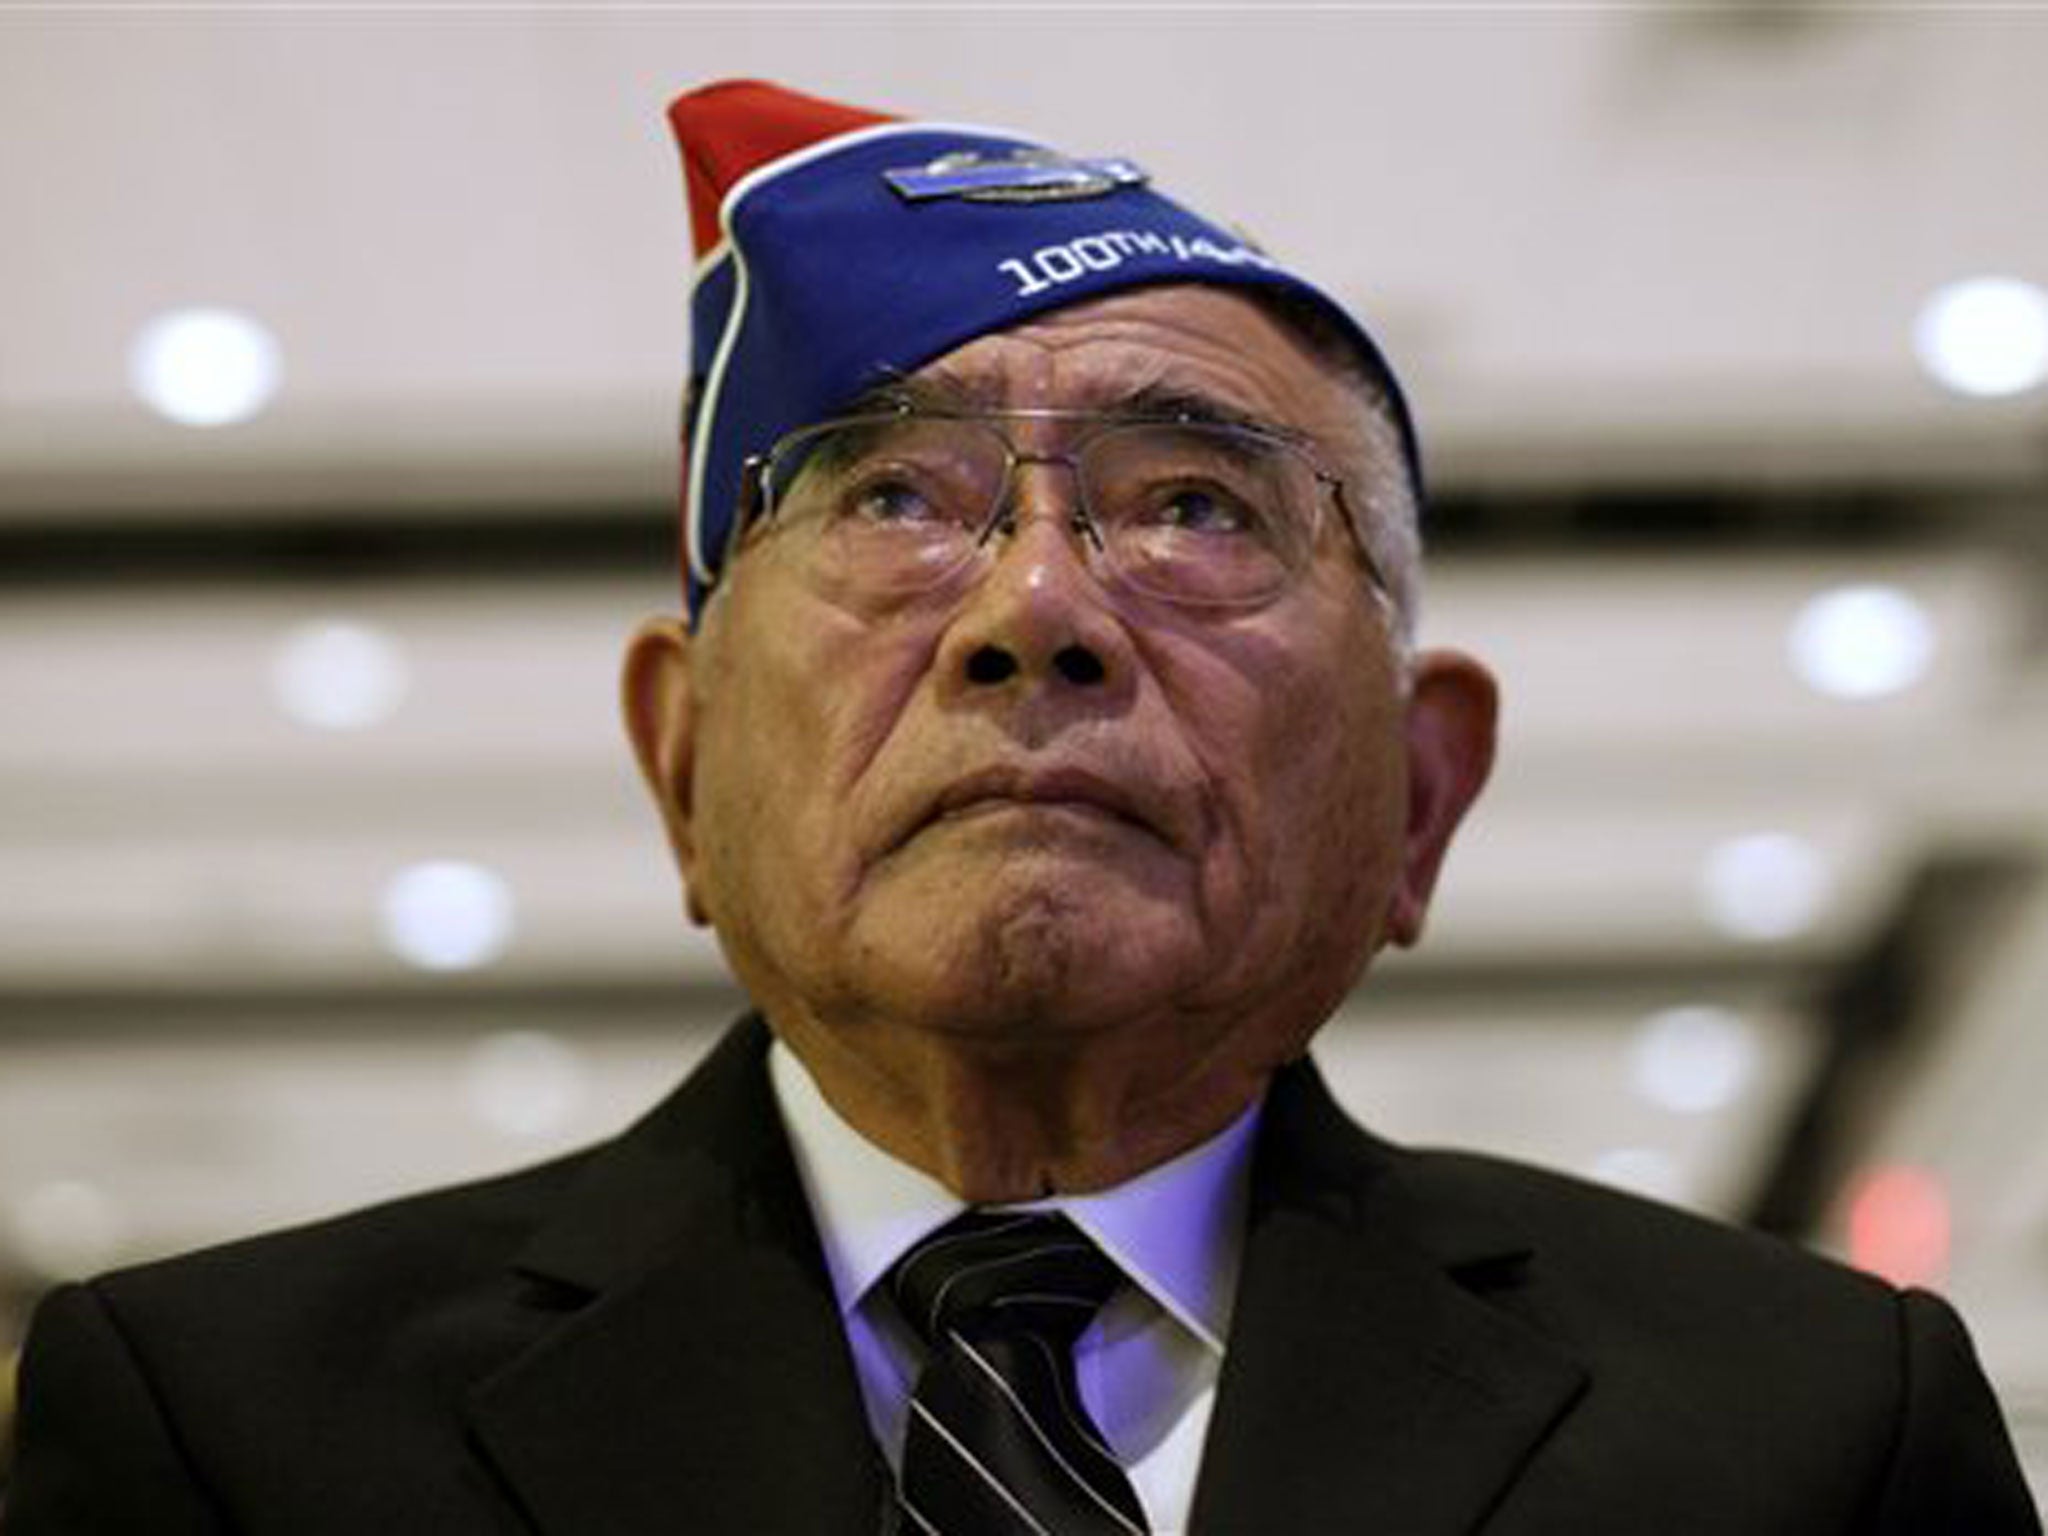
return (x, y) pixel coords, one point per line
(756, 507)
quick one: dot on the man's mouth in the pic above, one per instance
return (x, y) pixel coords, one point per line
(1072, 790)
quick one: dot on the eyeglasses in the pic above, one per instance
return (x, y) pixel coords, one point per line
(1203, 513)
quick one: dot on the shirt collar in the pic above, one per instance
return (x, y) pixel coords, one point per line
(1176, 1230)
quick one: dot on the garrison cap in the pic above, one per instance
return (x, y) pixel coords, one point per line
(838, 249)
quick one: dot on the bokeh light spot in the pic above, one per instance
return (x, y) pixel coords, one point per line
(66, 1229)
(1899, 1225)
(1695, 1059)
(1861, 642)
(447, 915)
(1641, 1170)
(1765, 885)
(205, 367)
(1984, 336)
(524, 1082)
(338, 676)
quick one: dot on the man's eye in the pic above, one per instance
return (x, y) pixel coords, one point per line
(890, 500)
(1200, 509)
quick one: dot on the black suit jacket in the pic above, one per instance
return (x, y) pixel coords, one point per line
(641, 1341)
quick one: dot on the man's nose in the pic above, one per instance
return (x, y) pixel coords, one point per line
(1039, 613)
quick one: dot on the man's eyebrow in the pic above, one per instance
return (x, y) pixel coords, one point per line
(1181, 402)
(942, 393)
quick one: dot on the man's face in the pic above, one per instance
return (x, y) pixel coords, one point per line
(1043, 807)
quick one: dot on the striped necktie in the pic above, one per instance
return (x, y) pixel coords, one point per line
(998, 1442)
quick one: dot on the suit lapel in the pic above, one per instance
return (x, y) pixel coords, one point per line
(691, 1372)
(1370, 1385)
(698, 1377)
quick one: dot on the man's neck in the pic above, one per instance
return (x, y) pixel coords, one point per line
(997, 1125)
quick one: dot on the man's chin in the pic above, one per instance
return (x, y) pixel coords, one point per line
(1027, 968)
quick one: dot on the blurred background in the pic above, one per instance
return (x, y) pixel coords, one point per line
(339, 363)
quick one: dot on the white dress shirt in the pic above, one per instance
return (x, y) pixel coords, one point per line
(1147, 1366)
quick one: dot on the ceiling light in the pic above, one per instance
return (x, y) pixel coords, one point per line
(1862, 642)
(1767, 885)
(338, 676)
(445, 915)
(1984, 336)
(204, 367)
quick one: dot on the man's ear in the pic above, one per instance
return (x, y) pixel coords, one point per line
(654, 693)
(1453, 704)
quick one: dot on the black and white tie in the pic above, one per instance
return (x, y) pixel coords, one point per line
(998, 1441)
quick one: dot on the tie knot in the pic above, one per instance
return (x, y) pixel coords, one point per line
(1036, 1272)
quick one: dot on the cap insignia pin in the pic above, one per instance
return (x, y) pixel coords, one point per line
(1021, 176)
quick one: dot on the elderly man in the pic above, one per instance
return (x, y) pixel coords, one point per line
(1046, 745)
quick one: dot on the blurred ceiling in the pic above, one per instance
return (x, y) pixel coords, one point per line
(1650, 274)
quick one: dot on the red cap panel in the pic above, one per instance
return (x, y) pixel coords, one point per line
(735, 126)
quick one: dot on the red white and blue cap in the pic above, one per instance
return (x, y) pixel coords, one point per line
(839, 249)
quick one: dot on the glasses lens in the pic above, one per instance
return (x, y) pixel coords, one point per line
(888, 503)
(1201, 513)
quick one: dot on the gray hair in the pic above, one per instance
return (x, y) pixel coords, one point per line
(1386, 503)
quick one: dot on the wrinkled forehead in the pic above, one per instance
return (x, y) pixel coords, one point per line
(1179, 349)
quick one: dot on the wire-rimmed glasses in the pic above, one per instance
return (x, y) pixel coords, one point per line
(1192, 511)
